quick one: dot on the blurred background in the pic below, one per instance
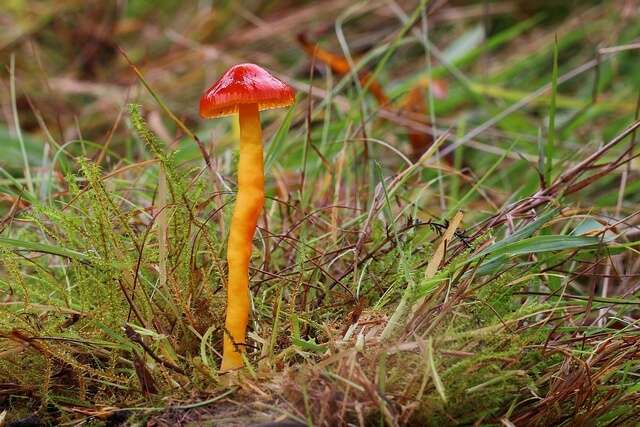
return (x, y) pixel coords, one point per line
(72, 82)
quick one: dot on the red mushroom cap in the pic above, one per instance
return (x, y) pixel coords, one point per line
(245, 84)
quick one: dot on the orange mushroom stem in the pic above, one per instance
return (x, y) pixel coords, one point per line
(244, 89)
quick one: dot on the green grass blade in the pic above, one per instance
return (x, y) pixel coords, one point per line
(551, 139)
(539, 244)
(277, 143)
(43, 248)
(16, 123)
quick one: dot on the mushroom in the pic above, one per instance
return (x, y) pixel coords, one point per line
(245, 89)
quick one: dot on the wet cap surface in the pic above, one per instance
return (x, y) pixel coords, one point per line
(245, 84)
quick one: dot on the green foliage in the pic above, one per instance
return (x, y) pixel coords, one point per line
(94, 274)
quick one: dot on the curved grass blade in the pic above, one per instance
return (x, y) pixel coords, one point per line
(539, 244)
(43, 248)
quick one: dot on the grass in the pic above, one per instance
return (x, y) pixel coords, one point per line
(432, 260)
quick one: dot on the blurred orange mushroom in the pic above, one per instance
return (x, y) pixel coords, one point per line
(245, 89)
(415, 106)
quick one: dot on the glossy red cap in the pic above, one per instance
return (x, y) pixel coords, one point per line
(245, 84)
